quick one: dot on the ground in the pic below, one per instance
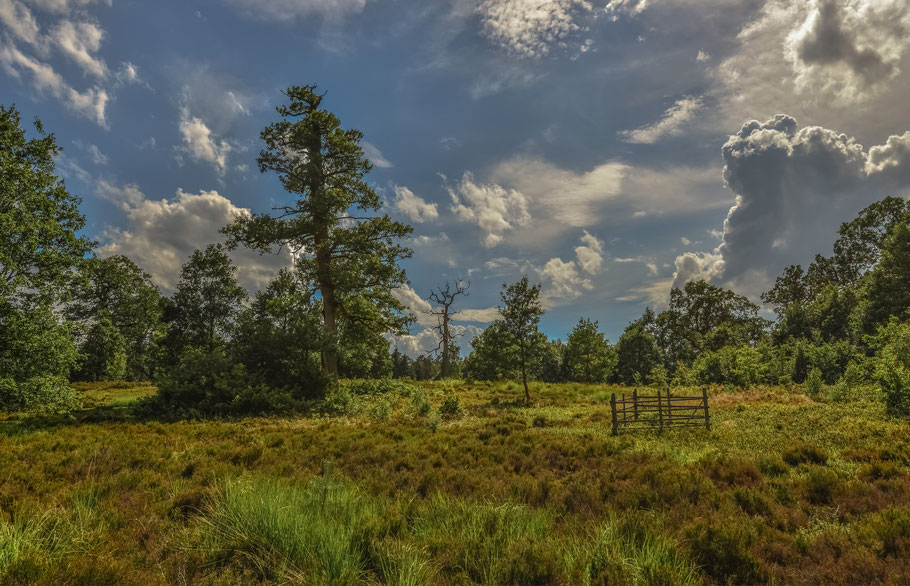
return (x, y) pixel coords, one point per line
(409, 488)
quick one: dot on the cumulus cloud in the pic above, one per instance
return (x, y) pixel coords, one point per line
(529, 28)
(697, 266)
(293, 10)
(848, 49)
(413, 206)
(200, 143)
(793, 186)
(891, 158)
(494, 209)
(670, 124)
(590, 254)
(810, 59)
(161, 235)
(562, 282)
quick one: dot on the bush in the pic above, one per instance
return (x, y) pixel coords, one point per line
(799, 452)
(891, 365)
(450, 407)
(340, 400)
(723, 553)
(739, 366)
(814, 383)
(421, 402)
(37, 354)
(205, 383)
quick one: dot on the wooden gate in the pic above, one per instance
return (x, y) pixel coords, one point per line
(658, 412)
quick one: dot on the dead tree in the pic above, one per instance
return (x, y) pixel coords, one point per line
(442, 299)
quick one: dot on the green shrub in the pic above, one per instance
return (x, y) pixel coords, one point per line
(892, 365)
(421, 402)
(450, 407)
(814, 383)
(340, 400)
(722, 551)
(799, 452)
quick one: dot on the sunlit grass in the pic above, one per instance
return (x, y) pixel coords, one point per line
(782, 487)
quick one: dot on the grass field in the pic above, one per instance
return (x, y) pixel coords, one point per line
(782, 488)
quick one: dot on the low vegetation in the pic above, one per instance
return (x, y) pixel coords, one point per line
(391, 484)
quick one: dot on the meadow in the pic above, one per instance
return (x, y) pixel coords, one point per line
(402, 483)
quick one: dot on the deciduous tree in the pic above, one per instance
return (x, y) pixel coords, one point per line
(521, 312)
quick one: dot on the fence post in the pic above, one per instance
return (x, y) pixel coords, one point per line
(635, 403)
(704, 398)
(613, 411)
(660, 413)
(669, 408)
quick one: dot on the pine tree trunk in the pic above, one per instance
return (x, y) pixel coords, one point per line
(524, 374)
(329, 306)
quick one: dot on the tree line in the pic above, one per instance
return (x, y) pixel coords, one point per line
(68, 315)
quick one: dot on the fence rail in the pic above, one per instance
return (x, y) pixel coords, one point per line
(671, 411)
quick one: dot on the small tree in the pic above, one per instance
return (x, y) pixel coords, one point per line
(104, 351)
(206, 301)
(637, 354)
(588, 356)
(521, 312)
(443, 298)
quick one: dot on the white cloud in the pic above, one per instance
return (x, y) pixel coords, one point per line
(413, 206)
(79, 41)
(92, 103)
(696, 266)
(702, 56)
(126, 196)
(628, 7)
(485, 315)
(161, 235)
(670, 124)
(685, 241)
(831, 64)
(416, 304)
(19, 20)
(566, 196)
(93, 152)
(891, 158)
(375, 155)
(530, 28)
(590, 254)
(563, 282)
(491, 207)
(848, 49)
(610, 192)
(200, 143)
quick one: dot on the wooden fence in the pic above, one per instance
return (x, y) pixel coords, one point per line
(660, 412)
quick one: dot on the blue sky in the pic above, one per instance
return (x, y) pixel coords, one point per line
(610, 150)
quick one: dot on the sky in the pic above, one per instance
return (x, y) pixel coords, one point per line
(609, 149)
